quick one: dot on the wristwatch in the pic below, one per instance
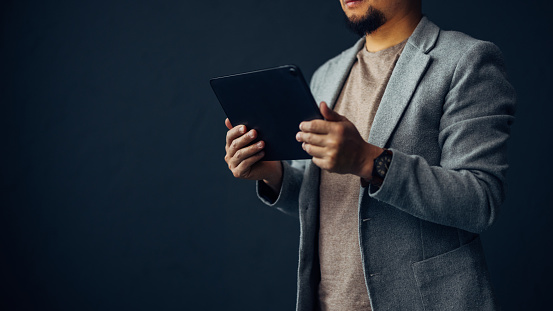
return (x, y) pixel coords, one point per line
(380, 168)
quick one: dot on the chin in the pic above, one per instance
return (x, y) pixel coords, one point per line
(357, 13)
(356, 17)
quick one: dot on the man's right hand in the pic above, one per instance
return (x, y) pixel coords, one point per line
(243, 158)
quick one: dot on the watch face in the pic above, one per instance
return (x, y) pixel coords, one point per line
(382, 164)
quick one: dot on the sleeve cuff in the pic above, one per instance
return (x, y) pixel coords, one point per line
(266, 194)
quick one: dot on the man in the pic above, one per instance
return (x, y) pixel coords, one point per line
(407, 169)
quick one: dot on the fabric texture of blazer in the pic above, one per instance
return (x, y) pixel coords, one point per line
(446, 115)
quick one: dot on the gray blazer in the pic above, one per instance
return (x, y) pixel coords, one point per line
(446, 115)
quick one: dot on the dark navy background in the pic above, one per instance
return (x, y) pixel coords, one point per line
(114, 192)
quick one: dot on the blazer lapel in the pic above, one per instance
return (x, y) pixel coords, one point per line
(409, 70)
(337, 74)
(402, 84)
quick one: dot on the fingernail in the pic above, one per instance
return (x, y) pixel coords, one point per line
(303, 146)
(260, 144)
(301, 125)
(298, 136)
(252, 134)
(242, 129)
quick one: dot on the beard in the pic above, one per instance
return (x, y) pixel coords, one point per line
(366, 24)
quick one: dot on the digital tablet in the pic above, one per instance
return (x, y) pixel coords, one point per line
(273, 102)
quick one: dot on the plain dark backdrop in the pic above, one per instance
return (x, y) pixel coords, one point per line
(114, 192)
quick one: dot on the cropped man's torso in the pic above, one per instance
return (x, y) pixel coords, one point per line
(342, 285)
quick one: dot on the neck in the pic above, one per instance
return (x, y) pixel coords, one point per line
(394, 31)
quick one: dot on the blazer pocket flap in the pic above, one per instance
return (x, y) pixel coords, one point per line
(456, 280)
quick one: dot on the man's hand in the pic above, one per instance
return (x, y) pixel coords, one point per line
(243, 157)
(337, 146)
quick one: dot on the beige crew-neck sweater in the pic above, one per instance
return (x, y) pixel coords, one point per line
(342, 285)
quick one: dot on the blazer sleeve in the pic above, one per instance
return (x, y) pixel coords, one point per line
(467, 188)
(287, 200)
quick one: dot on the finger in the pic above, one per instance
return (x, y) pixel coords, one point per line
(234, 133)
(316, 126)
(311, 138)
(227, 123)
(244, 153)
(314, 151)
(321, 163)
(329, 114)
(241, 142)
(249, 162)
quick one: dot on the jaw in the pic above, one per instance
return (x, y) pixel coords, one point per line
(355, 9)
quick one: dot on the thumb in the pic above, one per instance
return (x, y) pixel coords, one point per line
(227, 123)
(329, 114)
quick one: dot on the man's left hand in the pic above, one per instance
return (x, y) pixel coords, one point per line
(336, 145)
